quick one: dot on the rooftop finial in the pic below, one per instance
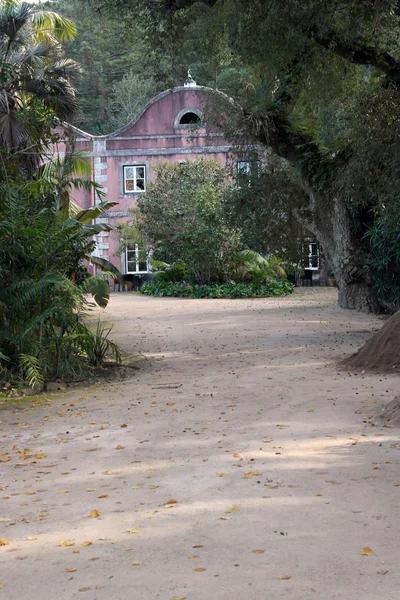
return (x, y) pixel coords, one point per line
(190, 82)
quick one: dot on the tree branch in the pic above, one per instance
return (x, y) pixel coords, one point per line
(362, 55)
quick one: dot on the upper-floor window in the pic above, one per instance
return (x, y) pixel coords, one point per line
(243, 167)
(134, 179)
(189, 118)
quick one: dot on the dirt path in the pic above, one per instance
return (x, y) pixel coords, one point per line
(240, 416)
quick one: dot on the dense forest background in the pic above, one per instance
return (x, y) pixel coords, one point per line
(123, 66)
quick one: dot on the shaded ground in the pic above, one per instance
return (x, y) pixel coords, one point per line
(240, 415)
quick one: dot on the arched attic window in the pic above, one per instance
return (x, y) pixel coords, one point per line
(188, 117)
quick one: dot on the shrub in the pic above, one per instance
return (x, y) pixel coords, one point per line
(273, 287)
(174, 273)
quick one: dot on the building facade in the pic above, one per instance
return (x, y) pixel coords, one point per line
(171, 127)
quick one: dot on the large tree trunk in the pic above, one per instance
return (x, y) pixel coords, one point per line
(331, 225)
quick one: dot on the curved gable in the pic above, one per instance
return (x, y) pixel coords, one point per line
(161, 115)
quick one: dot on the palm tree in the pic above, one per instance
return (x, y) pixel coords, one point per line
(35, 78)
(256, 267)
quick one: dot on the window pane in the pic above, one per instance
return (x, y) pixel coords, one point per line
(131, 267)
(143, 266)
(140, 172)
(140, 185)
(129, 172)
(129, 185)
(243, 167)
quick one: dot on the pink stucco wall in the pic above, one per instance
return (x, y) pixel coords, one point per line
(148, 140)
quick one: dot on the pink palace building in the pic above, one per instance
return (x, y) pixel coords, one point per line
(171, 127)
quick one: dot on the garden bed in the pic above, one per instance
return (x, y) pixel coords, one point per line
(274, 287)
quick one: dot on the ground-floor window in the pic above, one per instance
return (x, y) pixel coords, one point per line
(137, 260)
(312, 256)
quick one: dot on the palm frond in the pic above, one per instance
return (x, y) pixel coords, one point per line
(106, 265)
(99, 289)
(89, 214)
(31, 369)
(49, 25)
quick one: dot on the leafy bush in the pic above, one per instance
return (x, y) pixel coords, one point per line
(383, 265)
(274, 287)
(174, 273)
(181, 216)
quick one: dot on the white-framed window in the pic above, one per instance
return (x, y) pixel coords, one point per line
(243, 167)
(312, 256)
(134, 179)
(136, 261)
(247, 168)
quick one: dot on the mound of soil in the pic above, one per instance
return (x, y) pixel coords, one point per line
(382, 351)
(391, 414)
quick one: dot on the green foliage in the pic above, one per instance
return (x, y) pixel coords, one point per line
(36, 81)
(256, 268)
(98, 347)
(121, 69)
(182, 217)
(383, 239)
(172, 273)
(273, 287)
(41, 330)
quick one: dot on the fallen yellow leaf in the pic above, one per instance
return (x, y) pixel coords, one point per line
(153, 487)
(258, 551)
(197, 546)
(234, 509)
(65, 543)
(123, 426)
(86, 544)
(136, 563)
(94, 514)
(199, 569)
(366, 551)
(41, 455)
(119, 447)
(193, 556)
(224, 518)
(221, 474)
(133, 530)
(178, 598)
(284, 577)
(4, 542)
(250, 474)
(103, 496)
(1, 586)
(171, 501)
(76, 551)
(90, 490)
(70, 570)
(63, 492)
(100, 587)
